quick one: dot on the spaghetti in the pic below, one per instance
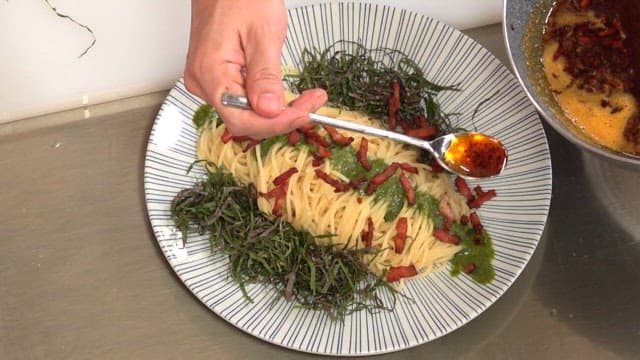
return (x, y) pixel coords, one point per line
(313, 204)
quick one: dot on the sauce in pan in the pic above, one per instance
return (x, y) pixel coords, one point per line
(591, 58)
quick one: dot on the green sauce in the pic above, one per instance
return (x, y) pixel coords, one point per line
(203, 116)
(345, 161)
(267, 143)
(427, 205)
(480, 254)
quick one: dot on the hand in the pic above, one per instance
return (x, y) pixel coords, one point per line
(235, 46)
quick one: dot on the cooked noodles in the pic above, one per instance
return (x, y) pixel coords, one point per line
(313, 205)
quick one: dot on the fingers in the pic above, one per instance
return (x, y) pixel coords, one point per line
(243, 122)
(263, 47)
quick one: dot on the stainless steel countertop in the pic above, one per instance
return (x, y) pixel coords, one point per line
(81, 275)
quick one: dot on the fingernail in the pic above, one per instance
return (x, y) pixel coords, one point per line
(269, 103)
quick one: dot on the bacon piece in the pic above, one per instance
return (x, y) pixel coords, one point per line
(408, 189)
(367, 234)
(408, 168)
(396, 273)
(277, 206)
(401, 235)
(294, 137)
(421, 121)
(394, 104)
(338, 185)
(317, 160)
(362, 154)
(404, 125)
(469, 268)
(278, 193)
(482, 197)
(463, 188)
(356, 183)
(446, 210)
(284, 177)
(381, 177)
(424, 132)
(445, 236)
(336, 137)
(315, 137)
(226, 136)
(251, 144)
(321, 150)
(474, 219)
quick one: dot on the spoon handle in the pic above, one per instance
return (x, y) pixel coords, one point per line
(241, 102)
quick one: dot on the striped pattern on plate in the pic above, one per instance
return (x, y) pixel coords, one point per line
(440, 303)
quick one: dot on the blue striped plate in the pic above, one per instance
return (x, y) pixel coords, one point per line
(439, 303)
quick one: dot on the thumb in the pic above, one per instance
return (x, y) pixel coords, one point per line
(264, 75)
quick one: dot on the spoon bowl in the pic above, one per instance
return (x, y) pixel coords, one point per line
(470, 155)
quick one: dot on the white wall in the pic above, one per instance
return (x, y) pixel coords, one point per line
(140, 48)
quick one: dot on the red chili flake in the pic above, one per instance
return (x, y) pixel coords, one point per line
(425, 132)
(394, 104)
(294, 137)
(408, 168)
(474, 219)
(464, 219)
(284, 177)
(607, 31)
(313, 136)
(585, 4)
(482, 198)
(463, 188)
(396, 273)
(469, 268)
(336, 137)
(367, 234)
(408, 189)
(251, 144)
(226, 136)
(401, 235)
(362, 154)
(446, 210)
(338, 185)
(445, 236)
(381, 177)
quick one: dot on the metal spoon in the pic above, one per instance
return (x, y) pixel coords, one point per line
(471, 155)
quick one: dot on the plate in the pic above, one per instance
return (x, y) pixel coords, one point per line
(438, 303)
